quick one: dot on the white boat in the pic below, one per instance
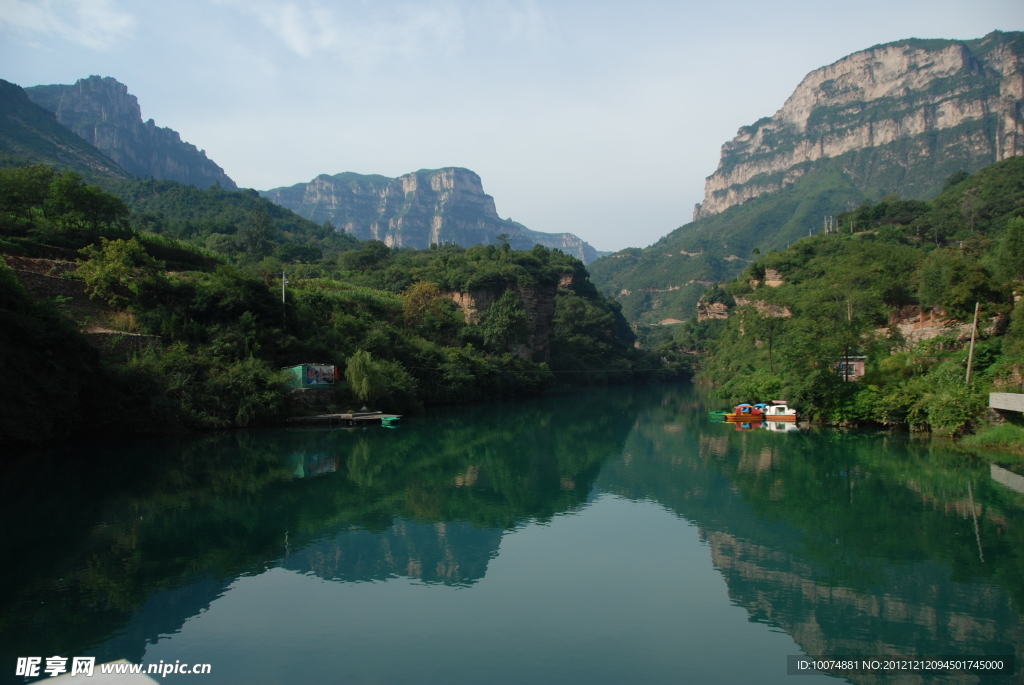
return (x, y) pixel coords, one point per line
(779, 411)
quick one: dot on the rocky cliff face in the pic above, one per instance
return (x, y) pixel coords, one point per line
(104, 113)
(950, 102)
(415, 210)
(30, 134)
(539, 305)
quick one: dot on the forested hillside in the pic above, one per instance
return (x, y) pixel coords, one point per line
(195, 337)
(665, 280)
(898, 118)
(896, 282)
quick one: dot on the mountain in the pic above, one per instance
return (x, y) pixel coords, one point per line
(104, 113)
(949, 104)
(897, 118)
(430, 206)
(30, 134)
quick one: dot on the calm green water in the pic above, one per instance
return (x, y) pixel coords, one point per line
(606, 536)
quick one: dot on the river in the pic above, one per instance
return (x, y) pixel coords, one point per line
(600, 536)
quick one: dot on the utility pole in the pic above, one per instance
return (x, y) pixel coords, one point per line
(284, 309)
(970, 355)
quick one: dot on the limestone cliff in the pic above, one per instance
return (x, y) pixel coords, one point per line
(104, 113)
(415, 210)
(30, 134)
(539, 305)
(945, 103)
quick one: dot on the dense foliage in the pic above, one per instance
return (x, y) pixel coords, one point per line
(857, 291)
(233, 223)
(276, 291)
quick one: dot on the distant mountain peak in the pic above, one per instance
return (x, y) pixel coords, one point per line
(30, 134)
(914, 91)
(429, 206)
(104, 113)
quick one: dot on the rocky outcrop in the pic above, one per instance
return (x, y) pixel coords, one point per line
(105, 114)
(30, 134)
(954, 103)
(712, 310)
(539, 305)
(430, 206)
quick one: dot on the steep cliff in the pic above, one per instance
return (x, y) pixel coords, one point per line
(104, 113)
(416, 210)
(29, 134)
(942, 104)
(538, 303)
(898, 118)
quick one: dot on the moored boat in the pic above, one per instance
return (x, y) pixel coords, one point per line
(745, 412)
(780, 411)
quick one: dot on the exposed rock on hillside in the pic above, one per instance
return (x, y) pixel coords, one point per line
(29, 134)
(539, 305)
(415, 210)
(953, 103)
(104, 113)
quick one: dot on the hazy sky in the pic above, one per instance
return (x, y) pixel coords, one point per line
(594, 117)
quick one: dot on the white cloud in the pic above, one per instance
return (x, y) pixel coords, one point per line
(359, 33)
(95, 24)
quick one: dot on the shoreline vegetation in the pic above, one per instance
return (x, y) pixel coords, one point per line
(163, 309)
(893, 285)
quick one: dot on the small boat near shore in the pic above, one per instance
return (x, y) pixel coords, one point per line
(746, 412)
(780, 411)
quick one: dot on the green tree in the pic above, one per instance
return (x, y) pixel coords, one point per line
(372, 254)
(954, 282)
(423, 305)
(73, 205)
(255, 232)
(505, 323)
(1011, 250)
(374, 380)
(23, 190)
(113, 271)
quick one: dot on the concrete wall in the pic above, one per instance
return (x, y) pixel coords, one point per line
(1006, 401)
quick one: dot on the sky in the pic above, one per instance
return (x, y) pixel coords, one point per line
(600, 118)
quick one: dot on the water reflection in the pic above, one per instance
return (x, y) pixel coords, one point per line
(853, 543)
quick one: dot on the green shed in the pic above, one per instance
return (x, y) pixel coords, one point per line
(312, 375)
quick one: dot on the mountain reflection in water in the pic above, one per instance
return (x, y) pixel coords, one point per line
(852, 543)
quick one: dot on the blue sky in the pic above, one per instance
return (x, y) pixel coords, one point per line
(598, 118)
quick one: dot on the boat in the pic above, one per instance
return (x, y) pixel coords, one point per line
(779, 411)
(389, 421)
(717, 415)
(745, 412)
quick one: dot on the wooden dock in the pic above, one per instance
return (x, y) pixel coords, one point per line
(358, 418)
